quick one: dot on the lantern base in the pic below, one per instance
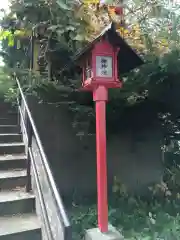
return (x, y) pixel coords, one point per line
(90, 84)
(96, 234)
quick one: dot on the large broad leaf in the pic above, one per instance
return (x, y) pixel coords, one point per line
(79, 37)
(63, 5)
(70, 28)
(53, 28)
(10, 40)
(4, 34)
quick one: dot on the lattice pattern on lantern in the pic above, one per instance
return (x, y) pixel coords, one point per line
(104, 66)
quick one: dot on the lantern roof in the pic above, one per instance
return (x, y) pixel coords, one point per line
(128, 59)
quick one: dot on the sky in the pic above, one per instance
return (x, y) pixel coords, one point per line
(4, 4)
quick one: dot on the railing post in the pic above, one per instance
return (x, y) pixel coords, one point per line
(18, 106)
(29, 145)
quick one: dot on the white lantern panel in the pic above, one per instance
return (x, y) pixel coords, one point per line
(104, 66)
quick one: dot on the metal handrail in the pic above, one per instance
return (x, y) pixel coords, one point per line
(50, 178)
(44, 213)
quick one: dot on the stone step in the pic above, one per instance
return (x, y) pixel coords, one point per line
(12, 179)
(5, 104)
(12, 161)
(10, 137)
(10, 148)
(20, 227)
(9, 114)
(7, 109)
(15, 202)
(8, 120)
(9, 129)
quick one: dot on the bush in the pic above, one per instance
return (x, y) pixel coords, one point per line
(156, 218)
(134, 218)
(8, 90)
(6, 83)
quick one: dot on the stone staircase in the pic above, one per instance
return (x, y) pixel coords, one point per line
(18, 219)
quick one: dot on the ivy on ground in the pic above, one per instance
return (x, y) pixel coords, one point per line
(134, 218)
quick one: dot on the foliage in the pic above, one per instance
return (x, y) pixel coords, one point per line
(6, 83)
(154, 217)
(150, 27)
(134, 218)
(10, 36)
(82, 22)
(149, 217)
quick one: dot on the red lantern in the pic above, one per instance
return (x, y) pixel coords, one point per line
(100, 67)
(100, 72)
(100, 61)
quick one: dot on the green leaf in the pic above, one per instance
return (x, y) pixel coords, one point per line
(70, 28)
(4, 34)
(53, 28)
(11, 41)
(60, 32)
(63, 5)
(79, 37)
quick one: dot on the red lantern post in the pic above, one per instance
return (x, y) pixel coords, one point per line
(100, 61)
(100, 72)
(100, 96)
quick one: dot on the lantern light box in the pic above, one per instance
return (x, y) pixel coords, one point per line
(100, 66)
(104, 59)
